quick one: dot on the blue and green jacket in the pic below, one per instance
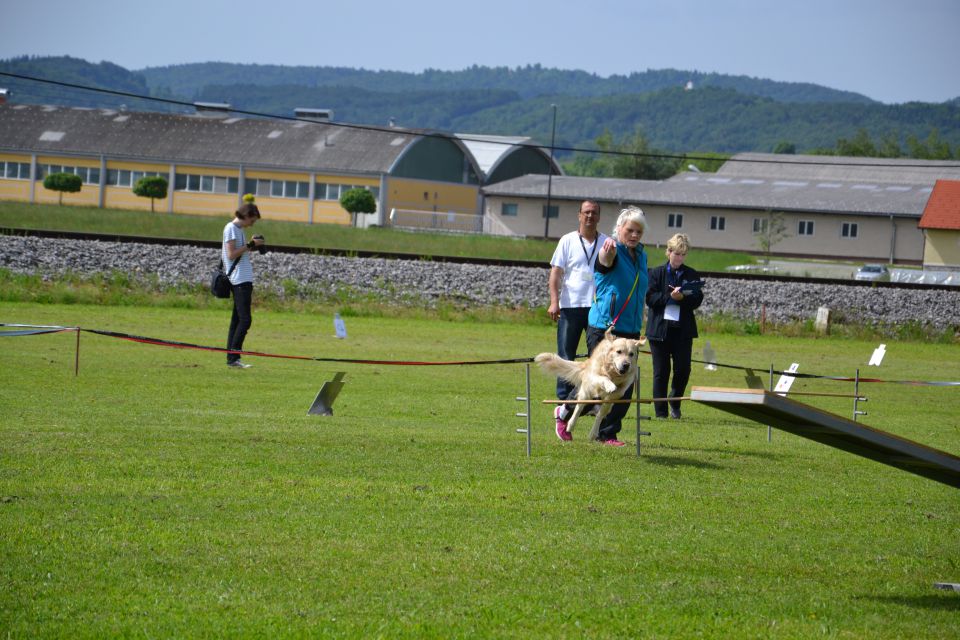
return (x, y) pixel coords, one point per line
(614, 284)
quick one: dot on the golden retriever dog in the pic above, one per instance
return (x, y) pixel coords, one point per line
(605, 375)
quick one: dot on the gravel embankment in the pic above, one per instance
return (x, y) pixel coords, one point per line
(426, 283)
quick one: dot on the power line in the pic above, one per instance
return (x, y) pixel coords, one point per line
(450, 136)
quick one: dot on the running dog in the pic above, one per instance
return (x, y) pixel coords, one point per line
(605, 375)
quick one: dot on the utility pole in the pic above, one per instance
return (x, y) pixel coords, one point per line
(553, 138)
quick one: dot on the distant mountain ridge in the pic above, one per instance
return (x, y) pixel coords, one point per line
(677, 111)
(528, 81)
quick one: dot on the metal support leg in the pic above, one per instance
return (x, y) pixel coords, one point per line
(769, 428)
(856, 397)
(636, 386)
(526, 414)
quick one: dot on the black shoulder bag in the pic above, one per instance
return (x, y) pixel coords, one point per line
(220, 282)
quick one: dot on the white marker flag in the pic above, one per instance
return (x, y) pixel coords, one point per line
(710, 356)
(339, 326)
(878, 354)
(785, 381)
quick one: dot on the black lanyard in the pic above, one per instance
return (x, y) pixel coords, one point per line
(589, 256)
(673, 276)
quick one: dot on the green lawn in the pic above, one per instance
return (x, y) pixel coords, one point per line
(160, 494)
(19, 215)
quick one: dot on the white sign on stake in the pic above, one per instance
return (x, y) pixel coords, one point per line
(785, 381)
(878, 354)
(339, 326)
(710, 356)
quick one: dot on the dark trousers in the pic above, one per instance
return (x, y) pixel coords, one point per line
(677, 350)
(241, 319)
(611, 424)
(571, 324)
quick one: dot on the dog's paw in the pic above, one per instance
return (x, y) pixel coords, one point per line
(609, 386)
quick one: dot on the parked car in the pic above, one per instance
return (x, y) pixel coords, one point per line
(872, 273)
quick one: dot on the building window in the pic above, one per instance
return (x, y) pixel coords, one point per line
(203, 184)
(222, 184)
(508, 209)
(805, 228)
(125, 178)
(89, 175)
(277, 188)
(674, 221)
(20, 170)
(554, 211)
(718, 223)
(848, 230)
(327, 191)
(759, 225)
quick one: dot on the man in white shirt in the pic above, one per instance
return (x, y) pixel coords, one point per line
(572, 287)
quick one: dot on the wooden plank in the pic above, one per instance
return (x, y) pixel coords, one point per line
(794, 417)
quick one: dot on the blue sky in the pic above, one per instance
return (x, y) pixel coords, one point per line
(890, 50)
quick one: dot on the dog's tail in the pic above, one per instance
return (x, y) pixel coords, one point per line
(555, 365)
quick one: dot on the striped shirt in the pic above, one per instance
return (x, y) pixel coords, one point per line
(244, 270)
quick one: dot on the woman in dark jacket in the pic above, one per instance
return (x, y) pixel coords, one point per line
(671, 325)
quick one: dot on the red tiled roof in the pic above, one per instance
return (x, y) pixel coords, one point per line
(943, 207)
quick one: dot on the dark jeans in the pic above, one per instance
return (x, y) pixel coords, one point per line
(679, 351)
(571, 324)
(241, 319)
(611, 424)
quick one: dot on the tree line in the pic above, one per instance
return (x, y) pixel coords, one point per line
(667, 112)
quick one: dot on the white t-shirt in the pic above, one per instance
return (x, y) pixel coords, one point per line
(577, 258)
(244, 271)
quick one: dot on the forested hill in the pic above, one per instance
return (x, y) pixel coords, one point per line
(529, 81)
(717, 114)
(709, 119)
(75, 71)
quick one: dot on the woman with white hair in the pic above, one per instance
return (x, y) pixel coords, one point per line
(621, 279)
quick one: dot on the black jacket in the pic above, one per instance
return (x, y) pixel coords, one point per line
(658, 294)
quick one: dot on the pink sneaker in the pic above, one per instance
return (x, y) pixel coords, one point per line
(562, 432)
(613, 442)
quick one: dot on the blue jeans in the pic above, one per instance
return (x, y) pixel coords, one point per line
(241, 319)
(571, 324)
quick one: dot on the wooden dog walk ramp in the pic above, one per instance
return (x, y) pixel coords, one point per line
(832, 430)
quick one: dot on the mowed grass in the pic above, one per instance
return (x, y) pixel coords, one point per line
(16, 216)
(160, 494)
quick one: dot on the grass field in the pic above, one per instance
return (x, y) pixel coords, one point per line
(20, 215)
(159, 494)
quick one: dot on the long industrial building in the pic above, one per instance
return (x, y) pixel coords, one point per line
(297, 167)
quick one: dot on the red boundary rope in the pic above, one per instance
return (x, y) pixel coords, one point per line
(40, 329)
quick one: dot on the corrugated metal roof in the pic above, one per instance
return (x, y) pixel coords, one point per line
(839, 168)
(943, 207)
(815, 184)
(574, 188)
(198, 139)
(488, 150)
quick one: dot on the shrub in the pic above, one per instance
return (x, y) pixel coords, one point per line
(151, 187)
(63, 182)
